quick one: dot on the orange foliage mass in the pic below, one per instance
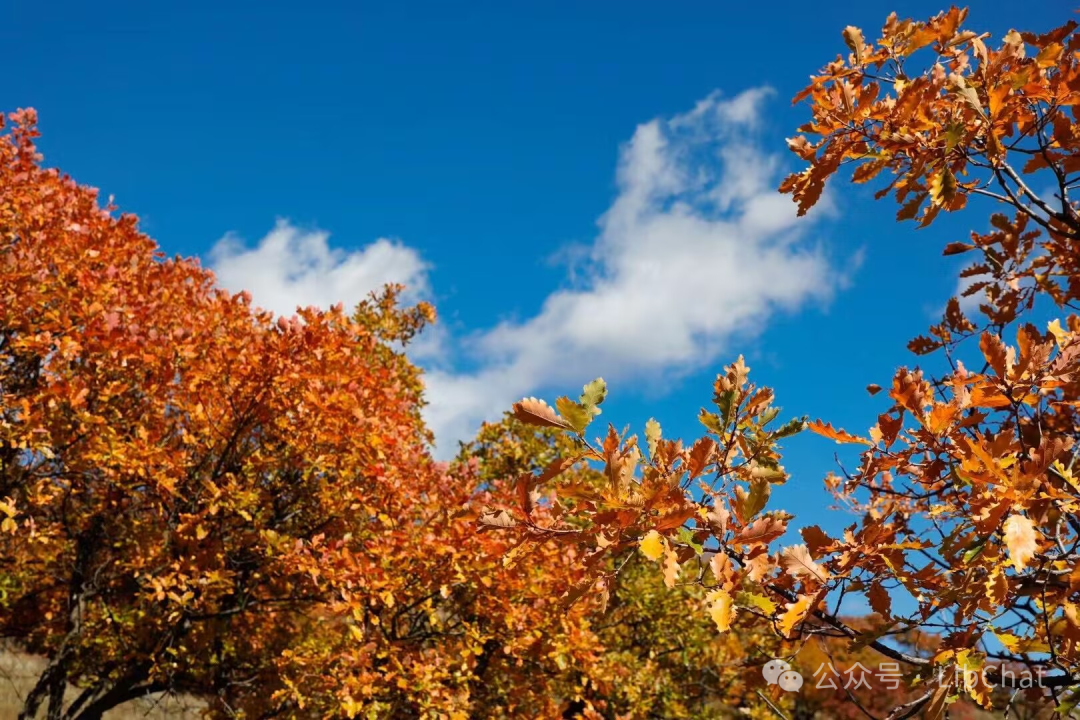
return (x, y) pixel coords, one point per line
(965, 498)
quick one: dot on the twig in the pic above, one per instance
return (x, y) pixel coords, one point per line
(772, 707)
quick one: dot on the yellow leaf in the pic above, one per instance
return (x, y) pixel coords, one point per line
(652, 436)
(942, 186)
(1010, 641)
(1054, 326)
(854, 38)
(796, 612)
(671, 567)
(1065, 474)
(1020, 539)
(974, 679)
(762, 603)
(1049, 55)
(350, 707)
(652, 545)
(721, 609)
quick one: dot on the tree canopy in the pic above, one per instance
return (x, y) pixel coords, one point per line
(199, 497)
(965, 498)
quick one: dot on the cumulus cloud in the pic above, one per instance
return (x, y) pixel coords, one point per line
(291, 267)
(696, 248)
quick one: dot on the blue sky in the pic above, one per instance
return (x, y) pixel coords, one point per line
(538, 170)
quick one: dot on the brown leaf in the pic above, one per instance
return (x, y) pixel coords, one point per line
(761, 532)
(880, 602)
(700, 456)
(955, 248)
(675, 518)
(922, 345)
(537, 412)
(935, 709)
(995, 352)
(718, 519)
(818, 542)
(797, 561)
(497, 519)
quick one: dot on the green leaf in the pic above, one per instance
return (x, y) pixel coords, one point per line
(652, 435)
(574, 413)
(723, 403)
(593, 395)
(762, 603)
(769, 415)
(791, 427)
(752, 502)
(954, 133)
(1070, 703)
(687, 536)
(975, 551)
(711, 421)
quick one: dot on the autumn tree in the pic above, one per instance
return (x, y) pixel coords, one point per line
(654, 654)
(199, 497)
(186, 481)
(965, 496)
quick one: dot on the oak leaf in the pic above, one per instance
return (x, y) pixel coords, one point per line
(652, 545)
(795, 613)
(537, 412)
(1020, 538)
(840, 436)
(721, 609)
(797, 561)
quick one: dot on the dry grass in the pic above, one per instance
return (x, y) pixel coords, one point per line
(19, 672)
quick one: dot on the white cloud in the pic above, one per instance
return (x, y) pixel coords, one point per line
(291, 268)
(697, 247)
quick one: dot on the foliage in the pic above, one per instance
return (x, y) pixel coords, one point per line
(198, 497)
(655, 654)
(965, 495)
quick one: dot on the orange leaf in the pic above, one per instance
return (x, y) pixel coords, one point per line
(700, 455)
(840, 436)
